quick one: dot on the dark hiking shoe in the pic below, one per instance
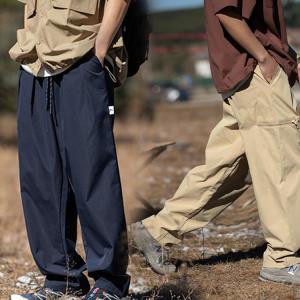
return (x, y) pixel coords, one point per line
(289, 275)
(101, 294)
(41, 294)
(155, 254)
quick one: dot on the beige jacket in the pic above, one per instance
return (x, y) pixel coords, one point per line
(59, 32)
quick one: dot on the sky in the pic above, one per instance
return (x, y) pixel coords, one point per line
(159, 5)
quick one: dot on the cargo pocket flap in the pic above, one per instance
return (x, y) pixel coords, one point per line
(86, 6)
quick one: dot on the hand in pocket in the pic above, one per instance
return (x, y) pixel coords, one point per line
(269, 68)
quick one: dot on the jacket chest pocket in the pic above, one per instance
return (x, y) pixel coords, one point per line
(82, 6)
(30, 8)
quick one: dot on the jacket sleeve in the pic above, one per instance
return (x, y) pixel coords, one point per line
(217, 5)
(245, 6)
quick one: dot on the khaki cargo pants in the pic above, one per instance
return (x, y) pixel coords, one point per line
(259, 133)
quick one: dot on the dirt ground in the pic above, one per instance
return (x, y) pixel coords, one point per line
(222, 261)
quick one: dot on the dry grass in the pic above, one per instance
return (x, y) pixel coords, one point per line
(228, 273)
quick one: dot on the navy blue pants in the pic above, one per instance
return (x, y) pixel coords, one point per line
(69, 169)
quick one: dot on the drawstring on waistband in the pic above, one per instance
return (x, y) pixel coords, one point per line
(50, 100)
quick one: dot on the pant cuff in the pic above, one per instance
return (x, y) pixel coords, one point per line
(108, 286)
(161, 235)
(284, 263)
(74, 285)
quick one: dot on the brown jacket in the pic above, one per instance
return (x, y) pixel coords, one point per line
(230, 63)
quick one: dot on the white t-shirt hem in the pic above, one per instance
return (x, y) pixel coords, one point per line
(43, 72)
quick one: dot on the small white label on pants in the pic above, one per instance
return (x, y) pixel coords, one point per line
(111, 110)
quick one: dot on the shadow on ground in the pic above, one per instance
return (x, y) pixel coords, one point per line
(182, 290)
(256, 252)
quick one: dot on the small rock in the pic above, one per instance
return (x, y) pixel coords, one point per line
(139, 287)
(183, 265)
(33, 274)
(204, 233)
(1, 275)
(34, 286)
(140, 280)
(162, 201)
(24, 280)
(221, 250)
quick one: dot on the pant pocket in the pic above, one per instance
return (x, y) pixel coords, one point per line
(258, 73)
(275, 103)
(296, 122)
(289, 135)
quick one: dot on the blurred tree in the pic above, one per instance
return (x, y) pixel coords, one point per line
(11, 18)
(7, 102)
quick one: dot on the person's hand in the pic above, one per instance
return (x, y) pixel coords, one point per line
(101, 57)
(268, 67)
(100, 52)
